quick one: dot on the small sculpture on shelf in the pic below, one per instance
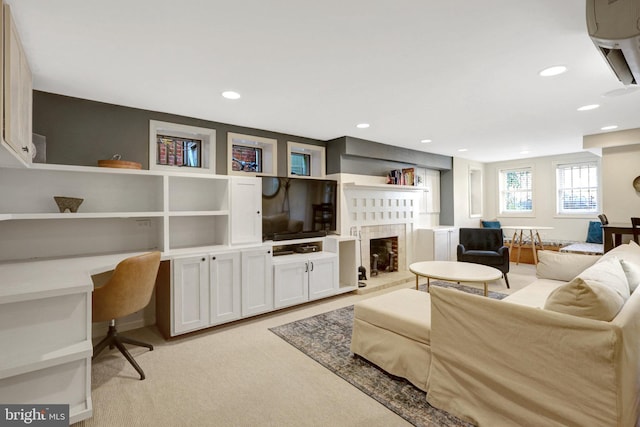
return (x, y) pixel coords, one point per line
(68, 204)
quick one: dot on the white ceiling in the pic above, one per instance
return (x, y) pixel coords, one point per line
(463, 73)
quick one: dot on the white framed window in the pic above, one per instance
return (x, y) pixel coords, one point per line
(306, 160)
(184, 148)
(516, 191)
(577, 188)
(251, 155)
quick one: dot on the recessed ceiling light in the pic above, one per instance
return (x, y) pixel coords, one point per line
(362, 125)
(588, 107)
(425, 141)
(609, 127)
(553, 71)
(524, 152)
(462, 150)
(229, 94)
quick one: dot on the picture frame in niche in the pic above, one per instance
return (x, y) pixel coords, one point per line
(181, 148)
(251, 155)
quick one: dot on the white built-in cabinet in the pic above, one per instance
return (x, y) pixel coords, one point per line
(436, 244)
(246, 205)
(18, 88)
(303, 277)
(205, 291)
(257, 281)
(190, 293)
(224, 287)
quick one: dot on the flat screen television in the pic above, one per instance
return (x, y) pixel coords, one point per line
(295, 208)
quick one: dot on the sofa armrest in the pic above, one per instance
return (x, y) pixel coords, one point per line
(498, 363)
(504, 251)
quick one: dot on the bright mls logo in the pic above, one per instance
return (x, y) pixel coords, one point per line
(34, 415)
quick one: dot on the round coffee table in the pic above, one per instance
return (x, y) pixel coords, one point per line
(454, 271)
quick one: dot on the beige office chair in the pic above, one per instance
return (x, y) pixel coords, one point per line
(128, 290)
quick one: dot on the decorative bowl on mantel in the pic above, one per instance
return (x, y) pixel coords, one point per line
(70, 204)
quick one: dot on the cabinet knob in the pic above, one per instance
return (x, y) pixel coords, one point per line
(213, 258)
(258, 212)
(268, 252)
(204, 259)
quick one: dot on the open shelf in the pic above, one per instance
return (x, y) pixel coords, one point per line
(194, 231)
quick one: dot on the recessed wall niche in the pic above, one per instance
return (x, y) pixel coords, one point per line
(174, 146)
(305, 160)
(251, 155)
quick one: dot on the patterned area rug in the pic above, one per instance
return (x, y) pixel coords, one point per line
(326, 338)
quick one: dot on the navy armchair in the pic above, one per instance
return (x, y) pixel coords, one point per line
(484, 246)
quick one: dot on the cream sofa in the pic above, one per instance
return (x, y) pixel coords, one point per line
(526, 361)
(521, 361)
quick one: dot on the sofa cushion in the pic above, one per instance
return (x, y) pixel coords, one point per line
(608, 273)
(594, 233)
(406, 312)
(588, 299)
(632, 271)
(490, 224)
(491, 258)
(535, 294)
(562, 266)
(628, 252)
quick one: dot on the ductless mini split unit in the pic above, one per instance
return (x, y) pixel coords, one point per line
(614, 27)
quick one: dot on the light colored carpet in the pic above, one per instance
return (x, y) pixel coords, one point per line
(239, 375)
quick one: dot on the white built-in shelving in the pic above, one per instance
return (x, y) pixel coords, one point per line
(123, 210)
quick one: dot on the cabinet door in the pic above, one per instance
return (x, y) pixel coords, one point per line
(291, 283)
(323, 276)
(224, 287)
(257, 281)
(190, 293)
(18, 88)
(246, 210)
(454, 239)
(441, 245)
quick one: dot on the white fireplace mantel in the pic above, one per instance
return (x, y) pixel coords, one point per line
(383, 187)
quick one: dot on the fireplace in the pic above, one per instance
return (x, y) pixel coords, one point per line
(383, 240)
(384, 255)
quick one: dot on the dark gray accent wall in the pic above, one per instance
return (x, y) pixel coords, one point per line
(447, 216)
(345, 153)
(81, 132)
(362, 157)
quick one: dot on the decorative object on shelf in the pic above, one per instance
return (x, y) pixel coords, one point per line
(70, 204)
(115, 162)
(408, 175)
(636, 183)
(404, 176)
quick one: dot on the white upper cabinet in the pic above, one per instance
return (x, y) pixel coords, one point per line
(246, 205)
(18, 88)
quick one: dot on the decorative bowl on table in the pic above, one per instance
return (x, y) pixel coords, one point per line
(70, 204)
